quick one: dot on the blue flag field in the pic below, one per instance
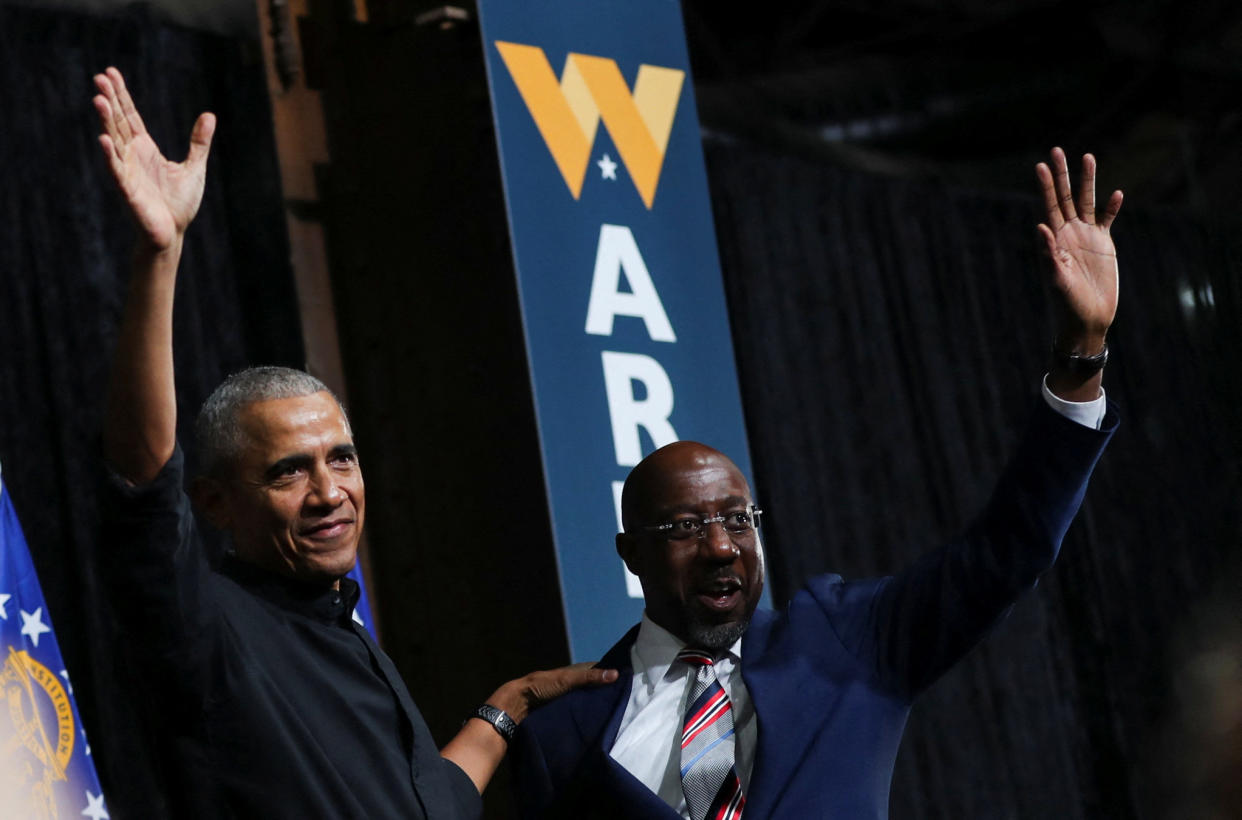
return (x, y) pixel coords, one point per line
(45, 764)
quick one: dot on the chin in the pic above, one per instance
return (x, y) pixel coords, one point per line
(329, 570)
(717, 636)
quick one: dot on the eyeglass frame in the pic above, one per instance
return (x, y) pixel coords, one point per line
(754, 512)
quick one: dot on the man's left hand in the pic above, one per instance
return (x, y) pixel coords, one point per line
(519, 697)
(1084, 268)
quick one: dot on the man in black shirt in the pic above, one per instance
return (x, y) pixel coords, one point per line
(271, 700)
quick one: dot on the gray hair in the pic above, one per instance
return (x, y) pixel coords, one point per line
(219, 435)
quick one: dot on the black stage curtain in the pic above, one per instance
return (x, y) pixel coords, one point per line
(64, 246)
(890, 336)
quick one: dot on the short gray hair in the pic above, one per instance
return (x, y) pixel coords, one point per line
(217, 430)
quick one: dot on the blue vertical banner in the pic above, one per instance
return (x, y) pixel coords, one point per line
(623, 305)
(45, 764)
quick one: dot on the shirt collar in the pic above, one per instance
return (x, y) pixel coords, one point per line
(657, 648)
(319, 602)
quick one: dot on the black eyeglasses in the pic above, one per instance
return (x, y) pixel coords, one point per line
(737, 523)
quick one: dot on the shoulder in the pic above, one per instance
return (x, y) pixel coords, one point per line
(819, 619)
(579, 718)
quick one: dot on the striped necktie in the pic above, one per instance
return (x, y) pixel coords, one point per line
(708, 776)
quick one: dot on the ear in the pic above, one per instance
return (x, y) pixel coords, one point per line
(210, 498)
(628, 549)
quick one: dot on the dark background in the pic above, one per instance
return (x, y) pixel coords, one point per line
(871, 167)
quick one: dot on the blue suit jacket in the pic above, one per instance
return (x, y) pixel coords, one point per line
(832, 677)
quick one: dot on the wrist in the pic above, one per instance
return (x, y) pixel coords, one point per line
(1080, 343)
(498, 719)
(511, 699)
(148, 249)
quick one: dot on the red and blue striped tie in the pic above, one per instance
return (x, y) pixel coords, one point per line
(708, 776)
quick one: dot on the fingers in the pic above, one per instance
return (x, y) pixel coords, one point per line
(544, 686)
(1086, 190)
(128, 112)
(103, 108)
(1111, 209)
(580, 674)
(200, 139)
(1060, 174)
(114, 117)
(1050, 240)
(1059, 199)
(1051, 204)
(115, 164)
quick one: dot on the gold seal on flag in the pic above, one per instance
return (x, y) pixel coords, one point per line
(32, 758)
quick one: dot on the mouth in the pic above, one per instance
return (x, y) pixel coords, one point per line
(327, 530)
(721, 594)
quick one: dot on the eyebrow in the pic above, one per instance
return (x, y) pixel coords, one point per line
(304, 461)
(343, 450)
(300, 461)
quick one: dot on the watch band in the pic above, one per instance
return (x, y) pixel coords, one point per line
(499, 719)
(1081, 365)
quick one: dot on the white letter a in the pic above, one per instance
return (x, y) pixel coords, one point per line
(617, 250)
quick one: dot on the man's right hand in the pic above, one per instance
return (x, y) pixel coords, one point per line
(163, 196)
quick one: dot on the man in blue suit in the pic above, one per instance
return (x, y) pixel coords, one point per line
(722, 711)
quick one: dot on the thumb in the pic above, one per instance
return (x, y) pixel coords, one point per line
(200, 138)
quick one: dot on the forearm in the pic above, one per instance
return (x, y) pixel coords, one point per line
(478, 748)
(140, 420)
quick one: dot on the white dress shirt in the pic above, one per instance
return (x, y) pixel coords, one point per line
(648, 742)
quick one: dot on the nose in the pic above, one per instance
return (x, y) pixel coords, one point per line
(325, 489)
(717, 544)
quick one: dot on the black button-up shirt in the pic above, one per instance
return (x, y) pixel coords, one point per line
(267, 700)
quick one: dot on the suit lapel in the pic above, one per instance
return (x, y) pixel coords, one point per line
(774, 679)
(597, 716)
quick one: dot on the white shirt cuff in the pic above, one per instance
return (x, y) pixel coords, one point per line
(1087, 413)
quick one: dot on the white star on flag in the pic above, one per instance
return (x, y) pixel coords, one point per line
(64, 673)
(607, 168)
(4, 599)
(32, 624)
(95, 807)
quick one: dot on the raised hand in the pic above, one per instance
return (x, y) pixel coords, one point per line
(1084, 259)
(163, 196)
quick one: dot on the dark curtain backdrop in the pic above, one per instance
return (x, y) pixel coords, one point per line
(64, 246)
(890, 336)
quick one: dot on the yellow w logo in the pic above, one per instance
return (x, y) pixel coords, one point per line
(567, 113)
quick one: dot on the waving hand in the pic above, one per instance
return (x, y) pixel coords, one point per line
(1084, 270)
(1084, 259)
(163, 196)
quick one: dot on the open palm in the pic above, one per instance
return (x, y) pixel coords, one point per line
(1081, 248)
(163, 196)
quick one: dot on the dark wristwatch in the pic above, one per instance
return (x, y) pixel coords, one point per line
(499, 719)
(1083, 366)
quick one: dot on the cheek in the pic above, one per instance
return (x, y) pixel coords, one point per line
(283, 510)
